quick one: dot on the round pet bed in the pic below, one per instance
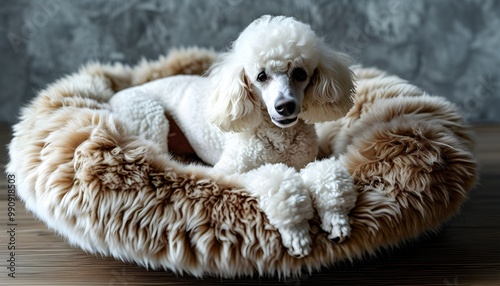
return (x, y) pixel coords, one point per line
(115, 194)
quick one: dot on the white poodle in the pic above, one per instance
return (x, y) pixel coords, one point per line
(254, 115)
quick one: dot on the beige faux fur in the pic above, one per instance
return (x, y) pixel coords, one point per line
(114, 194)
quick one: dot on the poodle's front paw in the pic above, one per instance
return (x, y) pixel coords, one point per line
(286, 203)
(336, 225)
(296, 239)
(334, 195)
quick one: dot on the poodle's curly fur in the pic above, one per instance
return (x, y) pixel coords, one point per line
(253, 116)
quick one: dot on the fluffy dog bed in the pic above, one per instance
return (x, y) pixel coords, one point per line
(115, 194)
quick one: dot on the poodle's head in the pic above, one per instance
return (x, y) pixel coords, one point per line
(279, 65)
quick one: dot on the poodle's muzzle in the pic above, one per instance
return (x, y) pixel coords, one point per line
(287, 109)
(283, 98)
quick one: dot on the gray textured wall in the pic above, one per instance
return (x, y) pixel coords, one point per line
(447, 47)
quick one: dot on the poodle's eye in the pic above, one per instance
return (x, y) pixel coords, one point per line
(299, 74)
(262, 77)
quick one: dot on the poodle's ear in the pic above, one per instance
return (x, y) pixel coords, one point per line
(232, 106)
(329, 93)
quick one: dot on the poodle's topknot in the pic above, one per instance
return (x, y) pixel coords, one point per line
(277, 41)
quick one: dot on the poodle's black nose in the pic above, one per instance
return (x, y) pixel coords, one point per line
(285, 107)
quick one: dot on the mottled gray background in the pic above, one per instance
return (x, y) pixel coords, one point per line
(450, 48)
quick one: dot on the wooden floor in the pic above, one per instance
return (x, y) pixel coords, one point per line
(465, 252)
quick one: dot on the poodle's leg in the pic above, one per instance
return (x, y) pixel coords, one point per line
(232, 161)
(286, 203)
(334, 195)
(244, 153)
(142, 116)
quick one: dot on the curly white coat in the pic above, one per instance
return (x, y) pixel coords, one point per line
(235, 120)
